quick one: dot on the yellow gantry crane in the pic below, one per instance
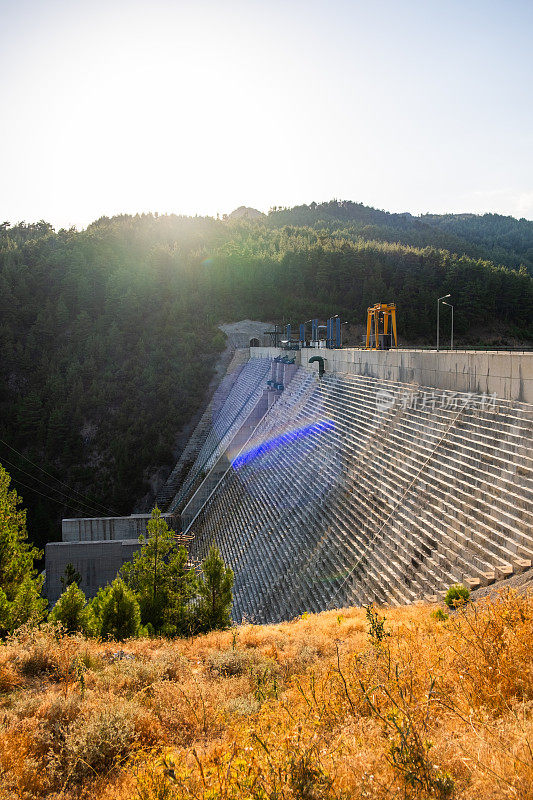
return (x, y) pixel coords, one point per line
(377, 323)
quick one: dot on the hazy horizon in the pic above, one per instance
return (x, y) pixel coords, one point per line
(58, 227)
(199, 108)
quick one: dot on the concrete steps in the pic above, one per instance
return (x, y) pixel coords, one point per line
(338, 502)
(242, 397)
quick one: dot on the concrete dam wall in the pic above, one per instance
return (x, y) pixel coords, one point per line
(508, 375)
(385, 480)
(354, 489)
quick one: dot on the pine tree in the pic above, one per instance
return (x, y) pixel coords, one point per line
(120, 612)
(71, 609)
(70, 576)
(16, 554)
(5, 609)
(161, 579)
(28, 605)
(94, 611)
(214, 607)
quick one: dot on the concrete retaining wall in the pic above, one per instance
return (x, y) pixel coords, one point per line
(508, 375)
(97, 563)
(96, 529)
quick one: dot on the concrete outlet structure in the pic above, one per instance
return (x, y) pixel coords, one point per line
(97, 547)
(97, 562)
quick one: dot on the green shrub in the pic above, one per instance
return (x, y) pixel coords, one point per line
(71, 610)
(377, 632)
(119, 612)
(457, 595)
(440, 615)
(28, 607)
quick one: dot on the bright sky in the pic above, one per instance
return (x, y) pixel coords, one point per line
(205, 105)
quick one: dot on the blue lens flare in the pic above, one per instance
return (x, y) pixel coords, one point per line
(315, 429)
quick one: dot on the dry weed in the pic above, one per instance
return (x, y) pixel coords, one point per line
(392, 703)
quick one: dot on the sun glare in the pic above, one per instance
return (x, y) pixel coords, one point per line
(199, 108)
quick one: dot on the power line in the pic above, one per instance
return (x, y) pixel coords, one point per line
(46, 496)
(94, 504)
(80, 504)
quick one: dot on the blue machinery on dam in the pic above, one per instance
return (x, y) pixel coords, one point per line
(330, 334)
(381, 331)
(327, 335)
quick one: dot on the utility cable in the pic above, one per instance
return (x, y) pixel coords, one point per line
(46, 496)
(72, 491)
(79, 503)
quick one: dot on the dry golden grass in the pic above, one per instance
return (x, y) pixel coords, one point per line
(326, 706)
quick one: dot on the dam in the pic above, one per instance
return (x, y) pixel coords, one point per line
(385, 479)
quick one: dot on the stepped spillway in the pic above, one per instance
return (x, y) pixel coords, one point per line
(227, 414)
(353, 489)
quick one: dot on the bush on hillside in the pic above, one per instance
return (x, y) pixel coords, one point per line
(119, 612)
(97, 744)
(457, 595)
(71, 610)
(440, 615)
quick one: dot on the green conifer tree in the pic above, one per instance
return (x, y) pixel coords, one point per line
(120, 612)
(70, 576)
(28, 605)
(161, 579)
(71, 610)
(214, 607)
(16, 554)
(21, 599)
(94, 612)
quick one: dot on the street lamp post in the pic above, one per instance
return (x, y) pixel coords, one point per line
(438, 311)
(343, 323)
(451, 338)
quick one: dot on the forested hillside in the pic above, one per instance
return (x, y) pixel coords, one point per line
(108, 335)
(105, 354)
(503, 240)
